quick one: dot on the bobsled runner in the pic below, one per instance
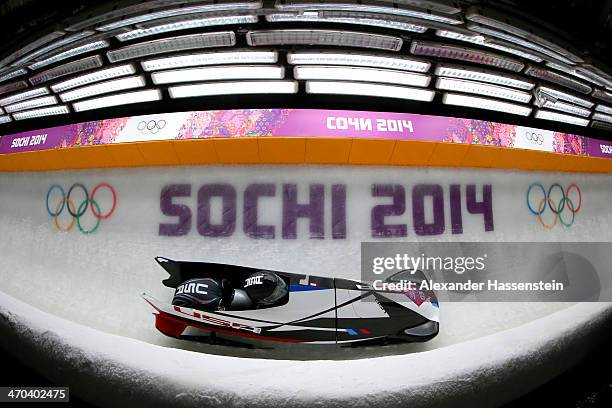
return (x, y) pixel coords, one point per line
(251, 306)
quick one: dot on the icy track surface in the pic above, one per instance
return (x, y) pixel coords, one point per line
(96, 279)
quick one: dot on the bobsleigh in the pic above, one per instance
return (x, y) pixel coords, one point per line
(253, 307)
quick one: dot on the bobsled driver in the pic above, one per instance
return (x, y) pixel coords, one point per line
(260, 289)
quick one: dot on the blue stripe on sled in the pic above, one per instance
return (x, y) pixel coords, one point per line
(352, 332)
(303, 288)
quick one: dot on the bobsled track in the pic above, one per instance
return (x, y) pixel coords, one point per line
(70, 304)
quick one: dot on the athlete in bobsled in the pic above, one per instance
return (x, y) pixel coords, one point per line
(260, 289)
(223, 301)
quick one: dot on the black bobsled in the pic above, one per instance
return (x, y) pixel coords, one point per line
(229, 300)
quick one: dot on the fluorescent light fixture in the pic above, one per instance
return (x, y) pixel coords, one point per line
(519, 41)
(557, 94)
(349, 17)
(567, 108)
(209, 21)
(97, 76)
(603, 95)
(477, 102)
(484, 42)
(32, 93)
(530, 32)
(126, 98)
(37, 113)
(574, 71)
(70, 53)
(13, 74)
(443, 6)
(31, 104)
(368, 7)
(359, 74)
(475, 74)
(13, 86)
(31, 46)
(432, 49)
(563, 80)
(54, 45)
(103, 88)
(602, 117)
(601, 125)
(356, 59)
(5, 119)
(461, 85)
(205, 8)
(323, 37)
(211, 58)
(95, 61)
(369, 89)
(560, 117)
(219, 73)
(173, 44)
(234, 88)
(604, 109)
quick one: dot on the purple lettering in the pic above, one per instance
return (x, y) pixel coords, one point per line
(484, 207)
(251, 198)
(379, 212)
(338, 215)
(228, 224)
(419, 192)
(314, 211)
(183, 225)
(455, 209)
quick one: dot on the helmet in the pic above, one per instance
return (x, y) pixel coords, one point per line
(241, 300)
(265, 288)
(202, 294)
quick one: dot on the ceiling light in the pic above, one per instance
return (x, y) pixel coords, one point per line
(103, 88)
(324, 37)
(464, 54)
(482, 41)
(543, 91)
(53, 46)
(368, 6)
(567, 108)
(12, 74)
(550, 76)
(349, 17)
(5, 119)
(39, 42)
(443, 6)
(560, 117)
(234, 88)
(32, 93)
(519, 41)
(37, 113)
(461, 85)
(475, 74)
(95, 61)
(601, 125)
(356, 59)
(118, 99)
(476, 102)
(359, 74)
(603, 95)
(97, 76)
(70, 53)
(369, 89)
(187, 25)
(602, 117)
(173, 44)
(217, 73)
(205, 8)
(604, 109)
(211, 58)
(31, 103)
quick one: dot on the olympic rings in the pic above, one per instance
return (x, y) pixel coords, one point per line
(151, 126)
(535, 138)
(89, 202)
(547, 201)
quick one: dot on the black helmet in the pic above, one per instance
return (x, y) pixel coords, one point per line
(202, 294)
(265, 288)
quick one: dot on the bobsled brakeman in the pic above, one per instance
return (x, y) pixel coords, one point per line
(219, 301)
